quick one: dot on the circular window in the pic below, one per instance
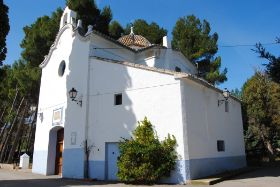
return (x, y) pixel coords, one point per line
(61, 68)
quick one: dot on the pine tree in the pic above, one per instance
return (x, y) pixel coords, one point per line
(39, 37)
(115, 30)
(152, 32)
(89, 13)
(273, 65)
(192, 37)
(4, 30)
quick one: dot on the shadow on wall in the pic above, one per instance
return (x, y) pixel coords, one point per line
(109, 121)
(107, 82)
(75, 115)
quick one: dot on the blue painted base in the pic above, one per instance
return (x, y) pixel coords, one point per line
(73, 163)
(209, 166)
(198, 168)
(73, 166)
(97, 170)
(177, 176)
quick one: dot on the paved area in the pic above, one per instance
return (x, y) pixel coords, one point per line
(258, 178)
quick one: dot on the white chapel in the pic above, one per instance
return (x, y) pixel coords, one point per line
(94, 89)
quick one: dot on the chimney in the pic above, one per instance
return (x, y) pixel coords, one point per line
(166, 43)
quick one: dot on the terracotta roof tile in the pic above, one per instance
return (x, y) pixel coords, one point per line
(133, 41)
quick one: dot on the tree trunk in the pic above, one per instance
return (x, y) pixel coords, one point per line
(31, 133)
(9, 135)
(270, 151)
(2, 138)
(269, 147)
(1, 117)
(17, 136)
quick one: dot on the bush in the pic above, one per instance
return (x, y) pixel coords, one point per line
(144, 159)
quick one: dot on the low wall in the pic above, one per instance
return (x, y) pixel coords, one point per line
(7, 166)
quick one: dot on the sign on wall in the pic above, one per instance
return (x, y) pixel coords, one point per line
(57, 116)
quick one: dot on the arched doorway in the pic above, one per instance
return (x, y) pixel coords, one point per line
(55, 151)
(59, 151)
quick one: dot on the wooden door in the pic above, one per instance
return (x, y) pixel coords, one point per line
(59, 151)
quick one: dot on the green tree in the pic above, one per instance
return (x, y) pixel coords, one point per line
(4, 30)
(90, 15)
(143, 158)
(192, 37)
(115, 30)
(236, 93)
(22, 80)
(273, 65)
(152, 32)
(39, 37)
(261, 98)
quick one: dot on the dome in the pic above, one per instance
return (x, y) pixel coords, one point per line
(134, 41)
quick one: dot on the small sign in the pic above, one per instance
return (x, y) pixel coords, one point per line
(57, 117)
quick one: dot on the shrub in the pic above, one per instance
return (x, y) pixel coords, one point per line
(143, 158)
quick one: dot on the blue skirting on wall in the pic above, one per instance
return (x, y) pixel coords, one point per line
(97, 169)
(73, 167)
(208, 166)
(177, 176)
(73, 163)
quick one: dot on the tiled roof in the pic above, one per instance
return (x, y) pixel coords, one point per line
(132, 40)
(121, 44)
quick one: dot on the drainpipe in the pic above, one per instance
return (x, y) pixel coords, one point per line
(86, 169)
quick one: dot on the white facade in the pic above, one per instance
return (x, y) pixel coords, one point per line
(176, 103)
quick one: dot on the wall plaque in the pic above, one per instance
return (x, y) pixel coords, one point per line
(57, 116)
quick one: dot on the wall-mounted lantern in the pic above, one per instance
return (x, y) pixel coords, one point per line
(226, 96)
(73, 94)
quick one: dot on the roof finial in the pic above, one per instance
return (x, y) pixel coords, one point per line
(131, 30)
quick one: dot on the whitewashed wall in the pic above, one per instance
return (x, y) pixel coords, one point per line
(206, 123)
(159, 58)
(54, 94)
(180, 107)
(107, 49)
(145, 93)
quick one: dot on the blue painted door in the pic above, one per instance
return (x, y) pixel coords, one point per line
(112, 155)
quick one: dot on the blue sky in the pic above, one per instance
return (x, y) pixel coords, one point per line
(236, 22)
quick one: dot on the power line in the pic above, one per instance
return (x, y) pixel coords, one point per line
(248, 45)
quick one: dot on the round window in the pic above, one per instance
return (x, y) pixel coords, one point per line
(61, 68)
